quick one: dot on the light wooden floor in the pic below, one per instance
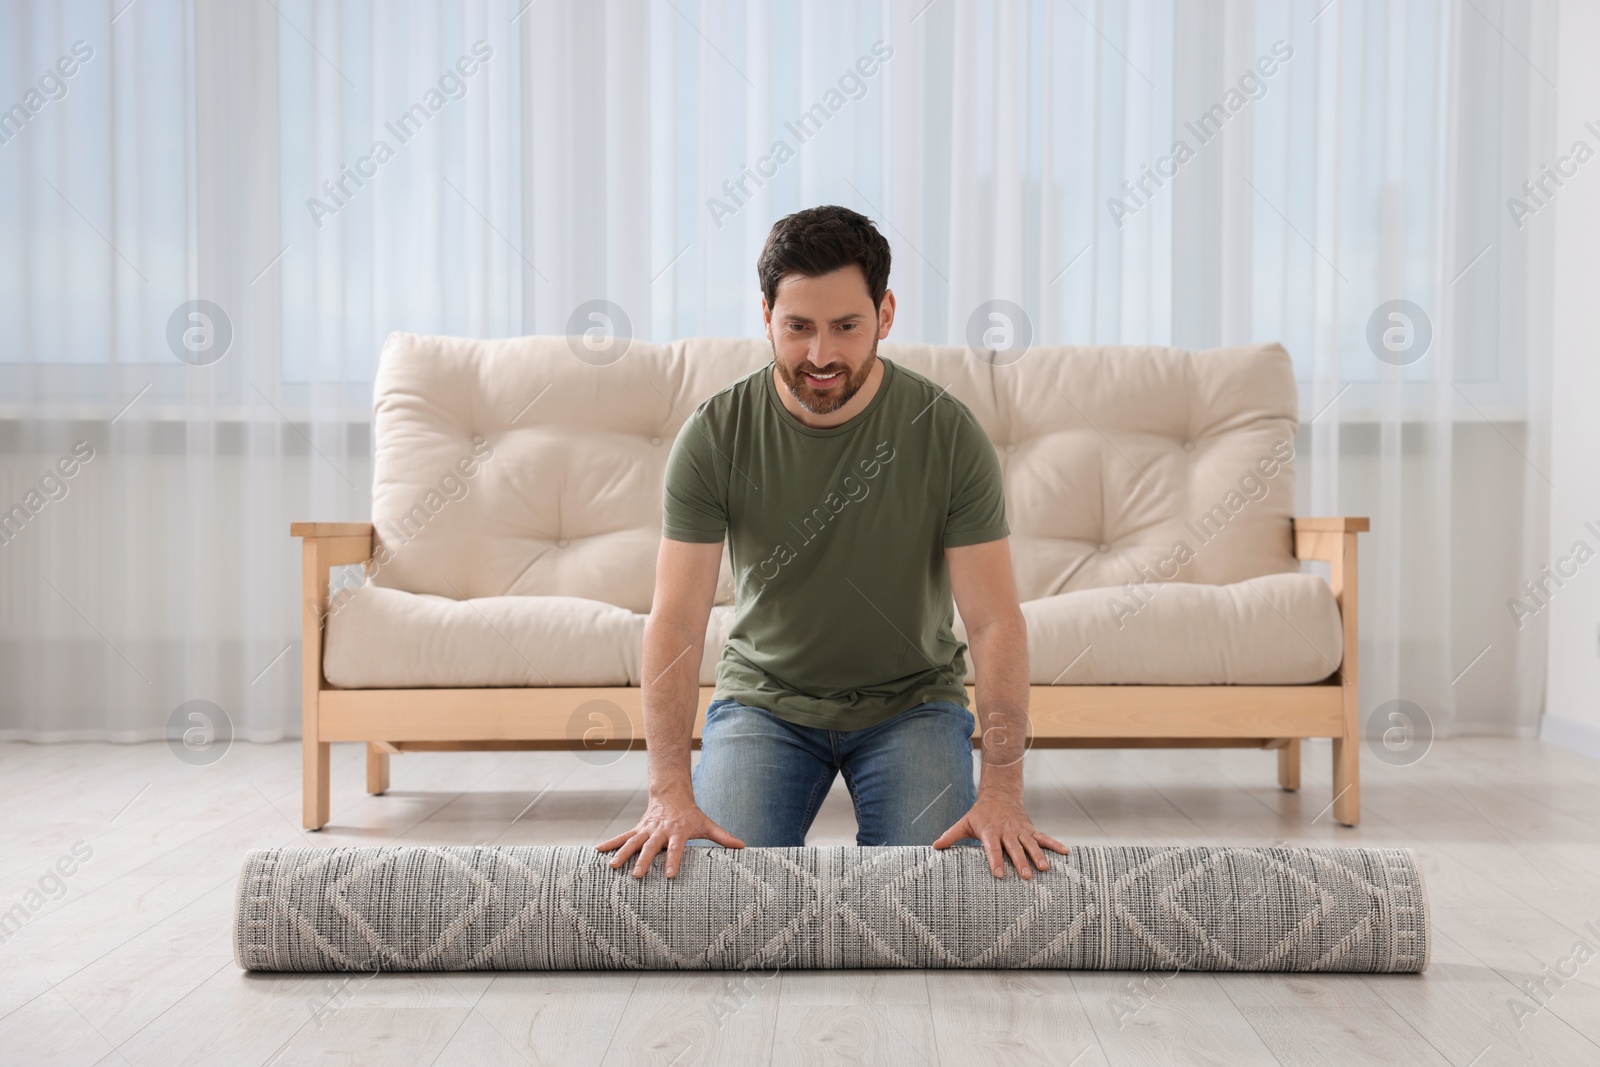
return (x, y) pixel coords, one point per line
(132, 963)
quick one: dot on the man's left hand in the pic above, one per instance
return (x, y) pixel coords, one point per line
(1000, 823)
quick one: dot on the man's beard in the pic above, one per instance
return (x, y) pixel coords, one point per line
(825, 403)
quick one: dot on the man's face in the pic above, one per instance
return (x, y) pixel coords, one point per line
(824, 335)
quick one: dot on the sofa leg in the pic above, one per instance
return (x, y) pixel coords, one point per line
(1289, 765)
(377, 770)
(1347, 780)
(314, 773)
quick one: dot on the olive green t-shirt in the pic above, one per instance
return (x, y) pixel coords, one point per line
(842, 605)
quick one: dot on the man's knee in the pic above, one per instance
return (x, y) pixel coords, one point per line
(914, 781)
(758, 778)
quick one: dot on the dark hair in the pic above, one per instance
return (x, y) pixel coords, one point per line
(820, 240)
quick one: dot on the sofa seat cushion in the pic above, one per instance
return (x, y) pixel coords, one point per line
(380, 638)
(1278, 629)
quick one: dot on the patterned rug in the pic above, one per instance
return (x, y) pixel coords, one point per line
(1103, 907)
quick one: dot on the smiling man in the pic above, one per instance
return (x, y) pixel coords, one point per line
(857, 497)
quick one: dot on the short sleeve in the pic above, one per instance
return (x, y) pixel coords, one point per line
(692, 509)
(977, 492)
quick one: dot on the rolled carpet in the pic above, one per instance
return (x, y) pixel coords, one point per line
(562, 907)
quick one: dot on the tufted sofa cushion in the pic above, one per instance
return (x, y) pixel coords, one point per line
(1281, 629)
(517, 489)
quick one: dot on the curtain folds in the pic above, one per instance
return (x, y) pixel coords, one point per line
(213, 221)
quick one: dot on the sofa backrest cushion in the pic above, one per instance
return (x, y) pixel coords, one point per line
(527, 465)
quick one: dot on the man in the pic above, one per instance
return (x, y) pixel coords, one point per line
(857, 497)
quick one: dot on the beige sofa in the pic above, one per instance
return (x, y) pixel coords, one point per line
(516, 518)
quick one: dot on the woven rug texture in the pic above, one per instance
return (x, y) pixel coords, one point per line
(562, 907)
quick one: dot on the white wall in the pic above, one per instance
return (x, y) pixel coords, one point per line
(1572, 706)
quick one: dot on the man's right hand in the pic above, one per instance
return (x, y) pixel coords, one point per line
(669, 822)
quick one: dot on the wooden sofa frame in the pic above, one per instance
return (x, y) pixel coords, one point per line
(397, 721)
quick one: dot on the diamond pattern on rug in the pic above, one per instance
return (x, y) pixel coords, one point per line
(563, 907)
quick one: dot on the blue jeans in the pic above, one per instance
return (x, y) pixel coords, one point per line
(762, 778)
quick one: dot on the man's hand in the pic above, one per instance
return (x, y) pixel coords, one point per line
(999, 822)
(669, 822)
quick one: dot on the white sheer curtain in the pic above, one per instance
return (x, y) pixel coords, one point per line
(538, 156)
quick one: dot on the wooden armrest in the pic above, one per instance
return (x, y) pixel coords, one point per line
(1325, 539)
(1334, 541)
(334, 544)
(330, 529)
(1346, 524)
(324, 545)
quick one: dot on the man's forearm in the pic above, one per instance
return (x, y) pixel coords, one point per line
(1000, 662)
(670, 694)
